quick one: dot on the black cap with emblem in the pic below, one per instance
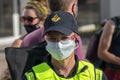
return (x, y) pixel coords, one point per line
(60, 21)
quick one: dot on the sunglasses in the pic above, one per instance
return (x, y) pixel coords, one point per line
(28, 18)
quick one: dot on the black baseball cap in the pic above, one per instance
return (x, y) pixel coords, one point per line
(60, 21)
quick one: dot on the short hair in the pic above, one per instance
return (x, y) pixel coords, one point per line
(56, 5)
(40, 9)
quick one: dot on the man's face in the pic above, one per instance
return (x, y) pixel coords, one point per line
(59, 46)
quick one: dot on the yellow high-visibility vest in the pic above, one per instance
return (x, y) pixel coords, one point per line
(85, 71)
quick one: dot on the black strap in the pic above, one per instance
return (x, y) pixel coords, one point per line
(31, 70)
(34, 75)
(95, 73)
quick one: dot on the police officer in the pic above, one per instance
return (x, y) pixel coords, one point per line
(62, 63)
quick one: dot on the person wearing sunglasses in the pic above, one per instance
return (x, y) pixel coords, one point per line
(34, 14)
(30, 23)
(32, 19)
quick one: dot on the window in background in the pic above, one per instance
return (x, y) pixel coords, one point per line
(88, 12)
(6, 10)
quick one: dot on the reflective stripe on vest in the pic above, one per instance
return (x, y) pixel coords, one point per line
(85, 71)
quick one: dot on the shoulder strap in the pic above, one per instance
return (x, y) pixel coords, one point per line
(87, 66)
(98, 74)
(30, 75)
(95, 73)
(116, 20)
(38, 69)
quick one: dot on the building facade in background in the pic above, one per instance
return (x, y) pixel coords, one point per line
(90, 12)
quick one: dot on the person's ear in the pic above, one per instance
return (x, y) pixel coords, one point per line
(75, 8)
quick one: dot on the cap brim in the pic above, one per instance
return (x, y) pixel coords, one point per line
(63, 30)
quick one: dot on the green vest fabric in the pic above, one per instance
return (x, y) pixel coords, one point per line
(85, 71)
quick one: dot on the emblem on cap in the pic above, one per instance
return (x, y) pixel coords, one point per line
(56, 18)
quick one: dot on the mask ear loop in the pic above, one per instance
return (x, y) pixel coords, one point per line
(75, 38)
(77, 43)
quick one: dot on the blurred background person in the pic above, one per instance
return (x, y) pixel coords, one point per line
(33, 18)
(109, 48)
(36, 36)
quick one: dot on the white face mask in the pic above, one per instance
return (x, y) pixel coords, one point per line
(61, 50)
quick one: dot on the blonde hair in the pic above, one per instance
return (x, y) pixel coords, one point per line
(40, 8)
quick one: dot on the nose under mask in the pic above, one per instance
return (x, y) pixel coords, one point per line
(59, 50)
